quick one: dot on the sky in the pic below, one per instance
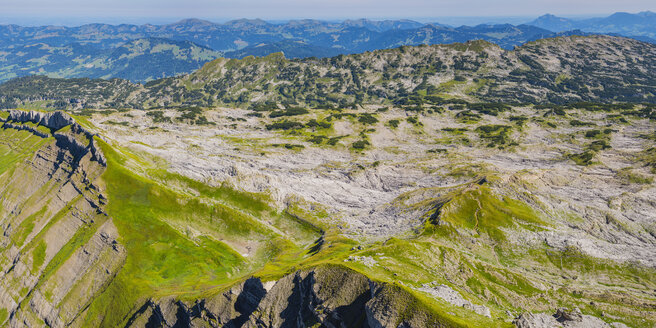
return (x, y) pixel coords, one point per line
(68, 12)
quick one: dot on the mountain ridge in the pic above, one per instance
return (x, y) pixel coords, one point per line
(626, 24)
(137, 60)
(476, 71)
(244, 37)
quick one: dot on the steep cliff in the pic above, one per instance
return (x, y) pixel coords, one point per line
(59, 247)
(326, 296)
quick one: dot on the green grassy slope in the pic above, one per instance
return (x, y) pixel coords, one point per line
(184, 245)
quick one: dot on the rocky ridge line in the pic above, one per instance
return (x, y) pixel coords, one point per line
(56, 121)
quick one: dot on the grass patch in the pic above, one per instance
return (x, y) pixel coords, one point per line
(4, 314)
(27, 226)
(495, 135)
(478, 209)
(628, 176)
(38, 256)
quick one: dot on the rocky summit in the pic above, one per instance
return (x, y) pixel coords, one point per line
(460, 185)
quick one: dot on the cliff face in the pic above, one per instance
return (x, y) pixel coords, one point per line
(326, 296)
(76, 139)
(58, 247)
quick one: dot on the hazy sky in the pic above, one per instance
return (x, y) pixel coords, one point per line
(131, 10)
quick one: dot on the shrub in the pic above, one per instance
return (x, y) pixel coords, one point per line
(367, 118)
(284, 125)
(317, 139)
(584, 158)
(455, 130)
(519, 120)
(489, 108)
(203, 121)
(158, 117)
(496, 135)
(289, 146)
(598, 145)
(263, 107)
(360, 144)
(580, 123)
(468, 115)
(414, 121)
(293, 111)
(334, 140)
(316, 124)
(592, 133)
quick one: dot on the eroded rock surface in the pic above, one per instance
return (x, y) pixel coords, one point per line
(327, 296)
(62, 247)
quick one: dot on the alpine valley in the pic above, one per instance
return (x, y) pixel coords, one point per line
(503, 182)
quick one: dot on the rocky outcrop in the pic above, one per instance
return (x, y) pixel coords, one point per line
(562, 318)
(58, 248)
(326, 296)
(53, 120)
(448, 294)
(56, 121)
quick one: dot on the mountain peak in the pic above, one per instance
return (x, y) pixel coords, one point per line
(192, 22)
(552, 23)
(245, 22)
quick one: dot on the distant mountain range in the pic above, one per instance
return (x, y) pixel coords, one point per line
(136, 60)
(142, 53)
(642, 24)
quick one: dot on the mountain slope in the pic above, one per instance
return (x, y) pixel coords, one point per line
(559, 70)
(289, 48)
(74, 251)
(138, 60)
(462, 216)
(640, 24)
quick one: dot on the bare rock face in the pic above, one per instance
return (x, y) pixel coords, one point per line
(56, 121)
(448, 294)
(59, 248)
(563, 315)
(327, 296)
(53, 120)
(562, 318)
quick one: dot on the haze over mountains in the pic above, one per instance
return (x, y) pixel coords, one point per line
(642, 24)
(108, 51)
(458, 185)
